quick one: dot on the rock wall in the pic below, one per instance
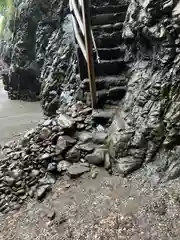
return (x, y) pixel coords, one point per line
(39, 58)
(148, 125)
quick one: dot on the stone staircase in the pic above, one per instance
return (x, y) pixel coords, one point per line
(107, 22)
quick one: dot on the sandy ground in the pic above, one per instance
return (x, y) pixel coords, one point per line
(105, 208)
(16, 116)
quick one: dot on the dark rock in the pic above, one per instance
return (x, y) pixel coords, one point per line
(97, 157)
(102, 116)
(73, 155)
(77, 169)
(52, 167)
(42, 191)
(47, 179)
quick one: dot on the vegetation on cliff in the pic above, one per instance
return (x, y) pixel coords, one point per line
(7, 13)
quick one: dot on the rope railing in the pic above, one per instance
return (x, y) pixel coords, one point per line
(84, 36)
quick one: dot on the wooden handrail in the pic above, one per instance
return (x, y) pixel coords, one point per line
(88, 42)
(73, 6)
(82, 27)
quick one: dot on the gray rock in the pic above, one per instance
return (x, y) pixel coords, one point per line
(97, 157)
(73, 155)
(173, 171)
(87, 147)
(100, 137)
(77, 169)
(44, 133)
(126, 165)
(66, 123)
(34, 173)
(63, 166)
(70, 141)
(16, 173)
(84, 136)
(42, 191)
(9, 180)
(44, 156)
(61, 145)
(47, 179)
(52, 167)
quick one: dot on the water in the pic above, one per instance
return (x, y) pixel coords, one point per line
(16, 116)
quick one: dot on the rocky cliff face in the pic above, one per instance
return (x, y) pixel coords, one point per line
(150, 128)
(39, 54)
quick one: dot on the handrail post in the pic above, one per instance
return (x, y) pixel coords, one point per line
(88, 44)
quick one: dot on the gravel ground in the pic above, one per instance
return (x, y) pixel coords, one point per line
(108, 207)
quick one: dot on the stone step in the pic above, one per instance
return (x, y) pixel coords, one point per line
(107, 28)
(108, 9)
(109, 18)
(104, 96)
(105, 2)
(108, 40)
(102, 116)
(106, 82)
(110, 53)
(113, 67)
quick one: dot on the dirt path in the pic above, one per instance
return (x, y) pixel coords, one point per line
(108, 208)
(16, 116)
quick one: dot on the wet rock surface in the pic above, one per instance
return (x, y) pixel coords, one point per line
(39, 57)
(147, 128)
